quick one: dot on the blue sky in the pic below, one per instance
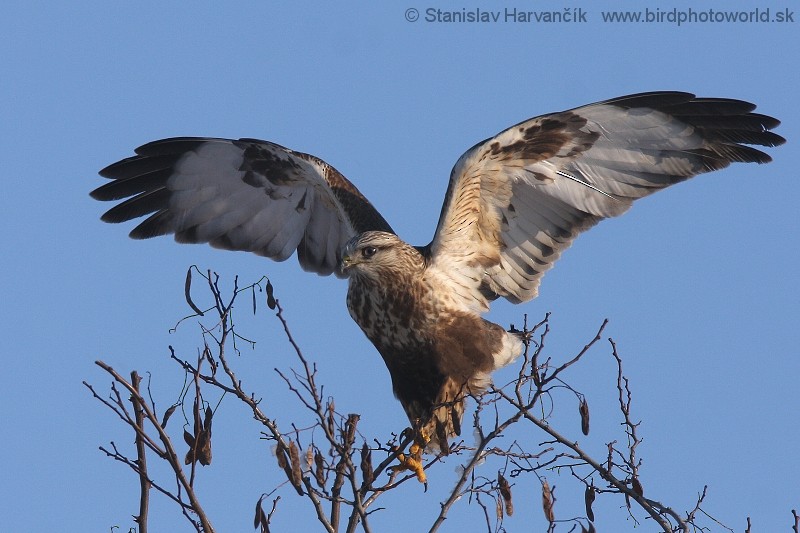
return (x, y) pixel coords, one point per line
(699, 282)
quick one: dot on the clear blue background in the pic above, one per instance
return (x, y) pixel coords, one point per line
(700, 282)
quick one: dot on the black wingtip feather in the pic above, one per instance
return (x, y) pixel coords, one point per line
(174, 146)
(157, 224)
(654, 99)
(710, 106)
(140, 205)
(132, 185)
(110, 171)
(728, 124)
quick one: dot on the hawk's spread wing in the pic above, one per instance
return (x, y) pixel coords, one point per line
(517, 200)
(247, 195)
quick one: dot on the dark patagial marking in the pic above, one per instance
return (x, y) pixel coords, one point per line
(538, 176)
(362, 214)
(539, 141)
(254, 180)
(578, 149)
(264, 161)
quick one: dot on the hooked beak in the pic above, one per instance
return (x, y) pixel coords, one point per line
(346, 262)
(347, 258)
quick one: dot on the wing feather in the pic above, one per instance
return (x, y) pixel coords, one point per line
(516, 201)
(242, 194)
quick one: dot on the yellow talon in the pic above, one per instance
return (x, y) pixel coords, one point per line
(415, 465)
(413, 461)
(415, 450)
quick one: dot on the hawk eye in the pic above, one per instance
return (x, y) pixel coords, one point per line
(369, 251)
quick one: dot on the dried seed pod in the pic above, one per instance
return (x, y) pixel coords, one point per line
(505, 492)
(588, 499)
(350, 429)
(294, 458)
(547, 502)
(202, 448)
(208, 419)
(366, 465)
(280, 454)
(187, 291)
(188, 438)
(192, 455)
(637, 486)
(331, 411)
(261, 517)
(289, 462)
(199, 444)
(168, 413)
(319, 472)
(583, 409)
(271, 303)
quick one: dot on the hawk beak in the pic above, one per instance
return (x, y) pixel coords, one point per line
(346, 262)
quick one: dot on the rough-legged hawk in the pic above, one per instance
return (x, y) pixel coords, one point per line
(514, 203)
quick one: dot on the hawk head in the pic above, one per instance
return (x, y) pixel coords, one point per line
(378, 254)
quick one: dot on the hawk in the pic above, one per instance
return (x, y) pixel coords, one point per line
(514, 203)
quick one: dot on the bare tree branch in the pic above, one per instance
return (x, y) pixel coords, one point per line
(325, 459)
(193, 511)
(141, 457)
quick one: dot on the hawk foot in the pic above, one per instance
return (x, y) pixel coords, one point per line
(413, 461)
